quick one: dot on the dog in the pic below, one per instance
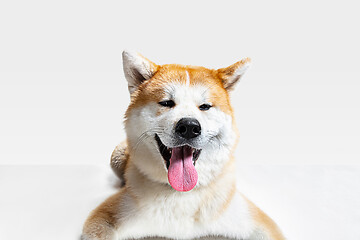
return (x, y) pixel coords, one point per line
(177, 166)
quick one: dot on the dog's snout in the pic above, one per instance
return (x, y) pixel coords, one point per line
(188, 128)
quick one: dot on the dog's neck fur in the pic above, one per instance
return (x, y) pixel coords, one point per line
(207, 201)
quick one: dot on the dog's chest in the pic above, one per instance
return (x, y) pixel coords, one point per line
(164, 216)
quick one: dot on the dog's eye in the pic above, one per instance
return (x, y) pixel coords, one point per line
(205, 107)
(167, 103)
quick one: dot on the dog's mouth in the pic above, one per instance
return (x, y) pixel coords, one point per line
(180, 162)
(166, 152)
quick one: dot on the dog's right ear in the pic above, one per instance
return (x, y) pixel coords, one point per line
(137, 69)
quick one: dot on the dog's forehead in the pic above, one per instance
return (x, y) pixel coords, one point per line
(182, 82)
(194, 86)
(184, 92)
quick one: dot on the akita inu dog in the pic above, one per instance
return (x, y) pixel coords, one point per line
(177, 163)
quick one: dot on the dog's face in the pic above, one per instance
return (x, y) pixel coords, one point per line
(180, 124)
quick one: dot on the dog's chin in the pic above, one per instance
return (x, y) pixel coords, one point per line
(166, 152)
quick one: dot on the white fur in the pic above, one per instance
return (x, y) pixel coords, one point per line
(238, 74)
(168, 213)
(149, 205)
(171, 215)
(241, 70)
(135, 63)
(216, 139)
(187, 78)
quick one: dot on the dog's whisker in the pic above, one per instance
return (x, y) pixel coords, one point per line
(144, 136)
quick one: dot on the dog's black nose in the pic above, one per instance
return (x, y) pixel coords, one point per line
(188, 128)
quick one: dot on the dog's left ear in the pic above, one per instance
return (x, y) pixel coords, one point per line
(137, 69)
(232, 74)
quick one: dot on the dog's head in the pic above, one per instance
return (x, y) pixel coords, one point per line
(179, 124)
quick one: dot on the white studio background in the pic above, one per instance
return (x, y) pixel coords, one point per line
(63, 93)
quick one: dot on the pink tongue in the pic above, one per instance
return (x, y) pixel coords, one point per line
(182, 174)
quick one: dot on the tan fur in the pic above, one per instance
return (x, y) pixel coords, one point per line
(103, 221)
(152, 90)
(265, 222)
(226, 74)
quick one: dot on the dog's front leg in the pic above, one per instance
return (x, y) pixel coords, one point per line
(103, 221)
(266, 228)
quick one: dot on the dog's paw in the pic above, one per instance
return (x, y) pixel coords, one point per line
(84, 237)
(99, 232)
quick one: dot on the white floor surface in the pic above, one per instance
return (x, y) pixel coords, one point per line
(308, 202)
